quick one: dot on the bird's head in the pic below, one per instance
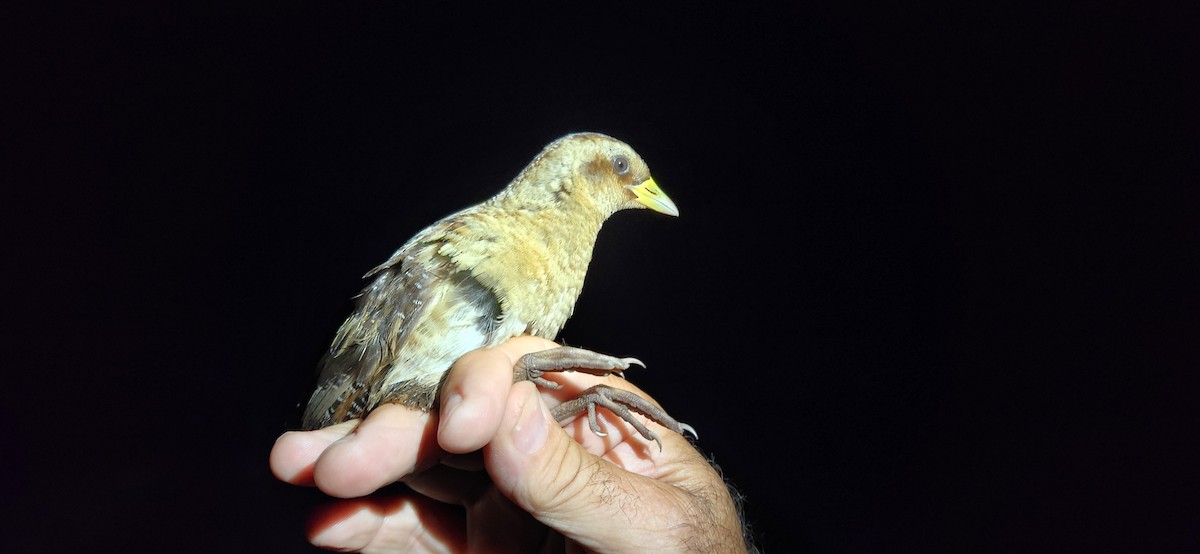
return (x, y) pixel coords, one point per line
(593, 170)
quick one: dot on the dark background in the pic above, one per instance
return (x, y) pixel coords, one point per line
(932, 288)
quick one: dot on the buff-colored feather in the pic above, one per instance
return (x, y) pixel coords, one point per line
(513, 265)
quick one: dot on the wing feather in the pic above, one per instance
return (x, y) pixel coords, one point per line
(419, 314)
(373, 335)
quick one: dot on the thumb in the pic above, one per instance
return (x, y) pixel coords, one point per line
(592, 501)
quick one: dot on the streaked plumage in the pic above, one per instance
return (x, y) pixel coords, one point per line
(511, 266)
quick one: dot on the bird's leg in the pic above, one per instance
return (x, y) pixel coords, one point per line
(618, 401)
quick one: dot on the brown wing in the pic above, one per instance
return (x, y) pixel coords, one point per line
(370, 339)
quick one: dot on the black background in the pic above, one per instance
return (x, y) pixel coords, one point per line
(931, 289)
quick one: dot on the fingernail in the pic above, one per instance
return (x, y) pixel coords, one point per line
(530, 432)
(450, 406)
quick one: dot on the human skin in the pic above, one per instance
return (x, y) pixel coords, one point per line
(491, 471)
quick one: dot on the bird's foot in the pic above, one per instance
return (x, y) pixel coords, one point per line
(568, 358)
(620, 402)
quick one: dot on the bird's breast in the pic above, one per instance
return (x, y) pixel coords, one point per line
(535, 263)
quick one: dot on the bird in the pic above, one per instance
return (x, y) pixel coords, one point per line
(512, 265)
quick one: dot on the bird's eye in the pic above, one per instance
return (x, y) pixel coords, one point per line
(620, 165)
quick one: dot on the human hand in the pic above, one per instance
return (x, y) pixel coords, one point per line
(545, 487)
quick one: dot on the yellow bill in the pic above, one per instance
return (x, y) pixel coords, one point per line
(649, 195)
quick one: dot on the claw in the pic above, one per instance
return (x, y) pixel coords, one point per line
(689, 430)
(594, 423)
(633, 361)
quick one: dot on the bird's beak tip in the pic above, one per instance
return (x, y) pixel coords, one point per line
(648, 194)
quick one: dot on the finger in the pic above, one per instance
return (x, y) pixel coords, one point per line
(392, 442)
(408, 523)
(496, 525)
(589, 500)
(475, 391)
(471, 461)
(472, 400)
(449, 485)
(296, 452)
